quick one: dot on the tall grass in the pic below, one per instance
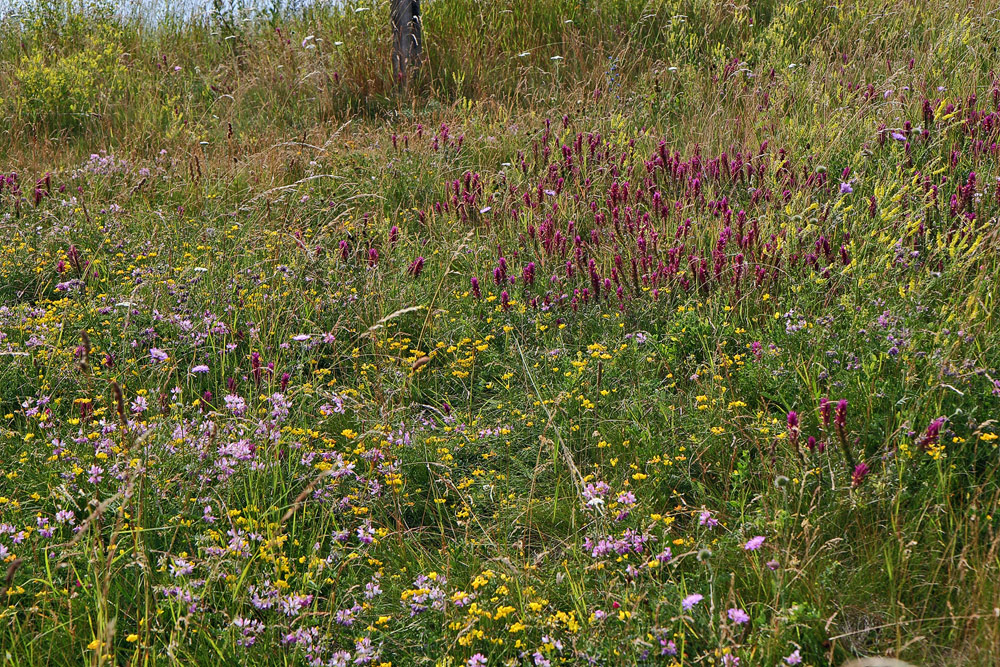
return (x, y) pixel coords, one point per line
(631, 332)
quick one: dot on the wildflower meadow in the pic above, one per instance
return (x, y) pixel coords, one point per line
(627, 332)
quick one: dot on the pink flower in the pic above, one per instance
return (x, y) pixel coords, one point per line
(690, 601)
(754, 543)
(793, 658)
(860, 472)
(738, 616)
(840, 414)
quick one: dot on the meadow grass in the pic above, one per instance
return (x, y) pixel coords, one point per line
(629, 332)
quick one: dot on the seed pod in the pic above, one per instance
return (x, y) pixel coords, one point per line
(85, 353)
(116, 392)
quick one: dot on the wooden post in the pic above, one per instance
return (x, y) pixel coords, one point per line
(406, 38)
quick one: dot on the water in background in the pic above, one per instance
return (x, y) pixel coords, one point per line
(154, 10)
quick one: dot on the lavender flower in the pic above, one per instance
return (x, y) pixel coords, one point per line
(793, 658)
(738, 616)
(690, 601)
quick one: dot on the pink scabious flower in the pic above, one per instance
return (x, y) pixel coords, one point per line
(157, 355)
(738, 616)
(754, 543)
(793, 658)
(690, 601)
(706, 519)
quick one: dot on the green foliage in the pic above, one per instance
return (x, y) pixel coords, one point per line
(69, 88)
(260, 356)
(74, 66)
